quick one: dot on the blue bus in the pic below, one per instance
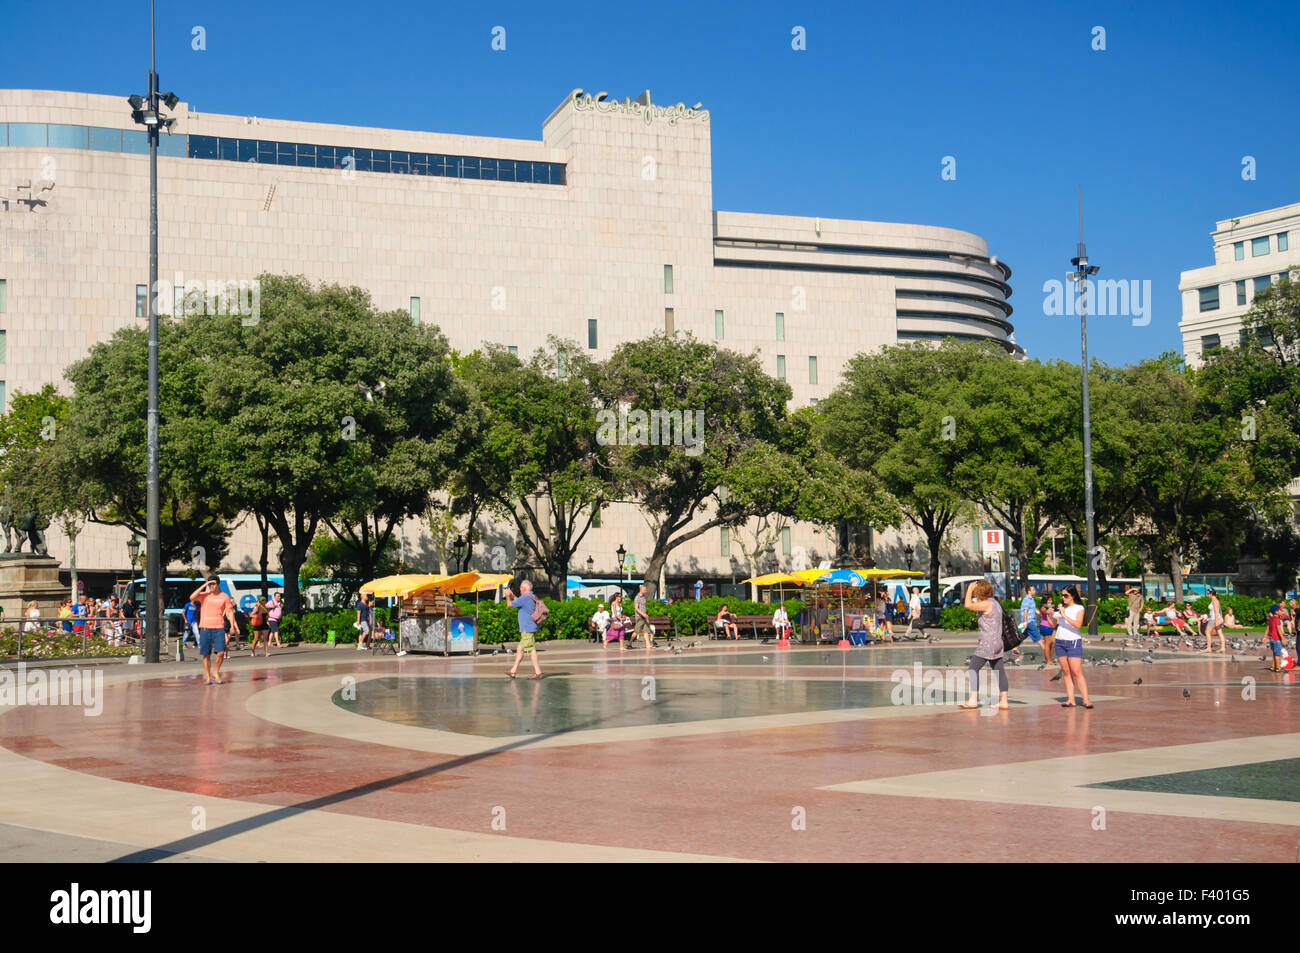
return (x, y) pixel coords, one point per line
(244, 588)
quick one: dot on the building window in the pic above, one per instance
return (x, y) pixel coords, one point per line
(595, 519)
(514, 350)
(780, 326)
(717, 325)
(591, 333)
(142, 301)
(1241, 292)
(1259, 246)
(562, 363)
(1209, 343)
(724, 537)
(785, 541)
(812, 370)
(780, 367)
(1210, 298)
(178, 309)
(2, 397)
(812, 402)
(1238, 251)
(415, 311)
(1260, 283)
(4, 295)
(668, 279)
(4, 351)
(670, 322)
(1282, 244)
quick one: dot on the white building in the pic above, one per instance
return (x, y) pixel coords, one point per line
(601, 231)
(1250, 253)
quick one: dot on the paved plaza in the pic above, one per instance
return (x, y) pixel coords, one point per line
(720, 752)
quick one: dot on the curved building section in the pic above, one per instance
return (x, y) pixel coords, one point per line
(943, 281)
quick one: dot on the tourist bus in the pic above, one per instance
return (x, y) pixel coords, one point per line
(244, 588)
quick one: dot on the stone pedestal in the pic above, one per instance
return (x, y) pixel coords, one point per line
(26, 578)
(1255, 577)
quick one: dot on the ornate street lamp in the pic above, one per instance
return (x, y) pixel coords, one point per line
(458, 551)
(133, 550)
(591, 567)
(908, 553)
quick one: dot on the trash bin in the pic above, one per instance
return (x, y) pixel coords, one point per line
(930, 616)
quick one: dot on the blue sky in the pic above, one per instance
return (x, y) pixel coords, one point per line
(855, 126)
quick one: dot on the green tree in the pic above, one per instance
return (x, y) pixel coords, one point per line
(101, 448)
(740, 456)
(895, 414)
(327, 411)
(1192, 466)
(539, 463)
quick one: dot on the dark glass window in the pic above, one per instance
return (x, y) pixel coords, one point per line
(228, 149)
(286, 153)
(505, 170)
(306, 155)
(419, 163)
(446, 165)
(247, 150)
(1209, 298)
(469, 167)
(399, 162)
(327, 157)
(203, 147)
(378, 160)
(557, 174)
(360, 160)
(487, 168)
(265, 152)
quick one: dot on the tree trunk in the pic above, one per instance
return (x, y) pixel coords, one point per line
(1176, 572)
(265, 530)
(653, 570)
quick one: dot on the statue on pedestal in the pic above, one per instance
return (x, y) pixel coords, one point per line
(28, 524)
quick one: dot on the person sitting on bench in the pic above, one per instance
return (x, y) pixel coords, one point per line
(727, 622)
(781, 622)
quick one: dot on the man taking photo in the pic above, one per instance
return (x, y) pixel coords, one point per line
(215, 607)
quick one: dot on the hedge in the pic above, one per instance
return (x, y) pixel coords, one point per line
(1248, 610)
(498, 622)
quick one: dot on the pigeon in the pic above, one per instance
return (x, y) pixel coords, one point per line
(1057, 676)
(1138, 682)
(1147, 658)
(1186, 693)
(765, 657)
(1043, 665)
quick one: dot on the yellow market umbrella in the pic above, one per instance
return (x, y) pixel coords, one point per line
(390, 586)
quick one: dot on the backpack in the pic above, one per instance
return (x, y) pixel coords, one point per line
(540, 612)
(1011, 636)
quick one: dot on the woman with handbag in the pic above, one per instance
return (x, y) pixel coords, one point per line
(617, 623)
(979, 599)
(1069, 645)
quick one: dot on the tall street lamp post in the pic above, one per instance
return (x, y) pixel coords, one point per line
(1080, 275)
(146, 110)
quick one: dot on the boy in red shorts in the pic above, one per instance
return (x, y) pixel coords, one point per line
(1274, 636)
